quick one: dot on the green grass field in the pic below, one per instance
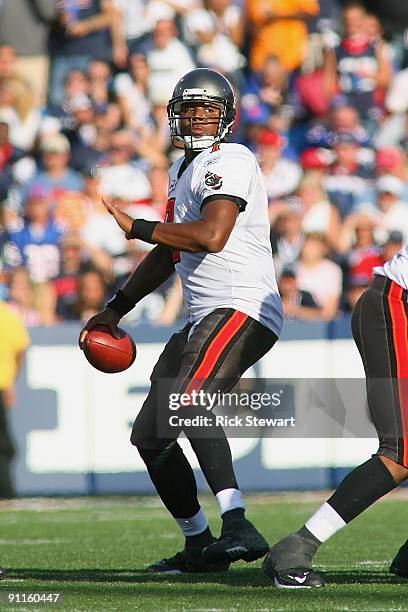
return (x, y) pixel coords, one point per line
(93, 552)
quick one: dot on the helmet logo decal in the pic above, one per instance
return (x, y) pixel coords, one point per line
(213, 180)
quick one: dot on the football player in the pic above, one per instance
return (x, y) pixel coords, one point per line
(216, 237)
(379, 326)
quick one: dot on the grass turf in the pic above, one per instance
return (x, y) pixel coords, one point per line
(93, 552)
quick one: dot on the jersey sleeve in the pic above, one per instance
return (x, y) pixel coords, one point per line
(229, 177)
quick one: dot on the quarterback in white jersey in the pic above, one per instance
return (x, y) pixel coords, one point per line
(216, 236)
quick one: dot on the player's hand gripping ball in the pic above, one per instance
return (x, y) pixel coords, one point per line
(107, 353)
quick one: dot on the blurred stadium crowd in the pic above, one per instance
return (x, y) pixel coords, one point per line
(322, 102)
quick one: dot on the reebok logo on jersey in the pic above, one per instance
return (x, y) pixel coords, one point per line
(213, 180)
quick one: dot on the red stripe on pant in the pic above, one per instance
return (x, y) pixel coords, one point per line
(400, 336)
(213, 352)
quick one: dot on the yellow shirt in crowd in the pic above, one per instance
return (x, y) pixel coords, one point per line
(286, 38)
(14, 340)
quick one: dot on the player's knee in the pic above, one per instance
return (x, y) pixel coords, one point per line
(154, 458)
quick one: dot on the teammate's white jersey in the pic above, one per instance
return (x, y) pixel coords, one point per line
(396, 268)
(242, 275)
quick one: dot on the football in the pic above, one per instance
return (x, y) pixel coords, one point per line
(107, 353)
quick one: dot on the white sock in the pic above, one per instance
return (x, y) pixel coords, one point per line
(194, 525)
(229, 499)
(324, 523)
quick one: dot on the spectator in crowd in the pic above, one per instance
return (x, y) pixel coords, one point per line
(360, 276)
(358, 66)
(82, 133)
(89, 299)
(267, 88)
(320, 276)
(168, 60)
(56, 179)
(389, 161)
(132, 28)
(100, 82)
(343, 118)
(297, 303)
(281, 175)
(9, 155)
(21, 297)
(121, 170)
(347, 178)
(357, 242)
(319, 215)
(396, 100)
(13, 345)
(34, 243)
(287, 235)
(79, 34)
(132, 94)
(389, 212)
(77, 257)
(218, 32)
(25, 25)
(17, 107)
(394, 243)
(356, 286)
(8, 60)
(279, 28)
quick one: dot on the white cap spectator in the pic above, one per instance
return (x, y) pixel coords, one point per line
(390, 184)
(55, 143)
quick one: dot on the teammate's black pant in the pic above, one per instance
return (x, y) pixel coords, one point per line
(380, 330)
(221, 348)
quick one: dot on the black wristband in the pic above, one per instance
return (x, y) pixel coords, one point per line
(143, 230)
(120, 304)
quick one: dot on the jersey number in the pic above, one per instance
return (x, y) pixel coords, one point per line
(169, 218)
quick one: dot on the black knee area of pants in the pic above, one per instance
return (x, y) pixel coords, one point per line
(155, 457)
(361, 488)
(173, 478)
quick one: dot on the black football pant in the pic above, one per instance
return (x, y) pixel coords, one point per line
(220, 349)
(380, 330)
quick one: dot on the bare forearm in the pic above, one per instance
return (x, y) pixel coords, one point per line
(195, 237)
(155, 268)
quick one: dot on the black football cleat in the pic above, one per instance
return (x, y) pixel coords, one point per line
(298, 578)
(289, 562)
(186, 562)
(399, 565)
(2, 573)
(238, 540)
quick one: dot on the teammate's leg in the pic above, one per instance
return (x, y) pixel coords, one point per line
(379, 328)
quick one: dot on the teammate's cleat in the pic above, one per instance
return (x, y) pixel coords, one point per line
(238, 540)
(289, 562)
(399, 565)
(298, 578)
(186, 562)
(2, 573)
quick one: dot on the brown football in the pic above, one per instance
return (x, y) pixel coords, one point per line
(109, 354)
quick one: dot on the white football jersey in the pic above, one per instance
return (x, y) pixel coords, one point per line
(242, 275)
(396, 268)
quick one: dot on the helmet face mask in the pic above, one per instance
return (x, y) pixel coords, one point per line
(205, 88)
